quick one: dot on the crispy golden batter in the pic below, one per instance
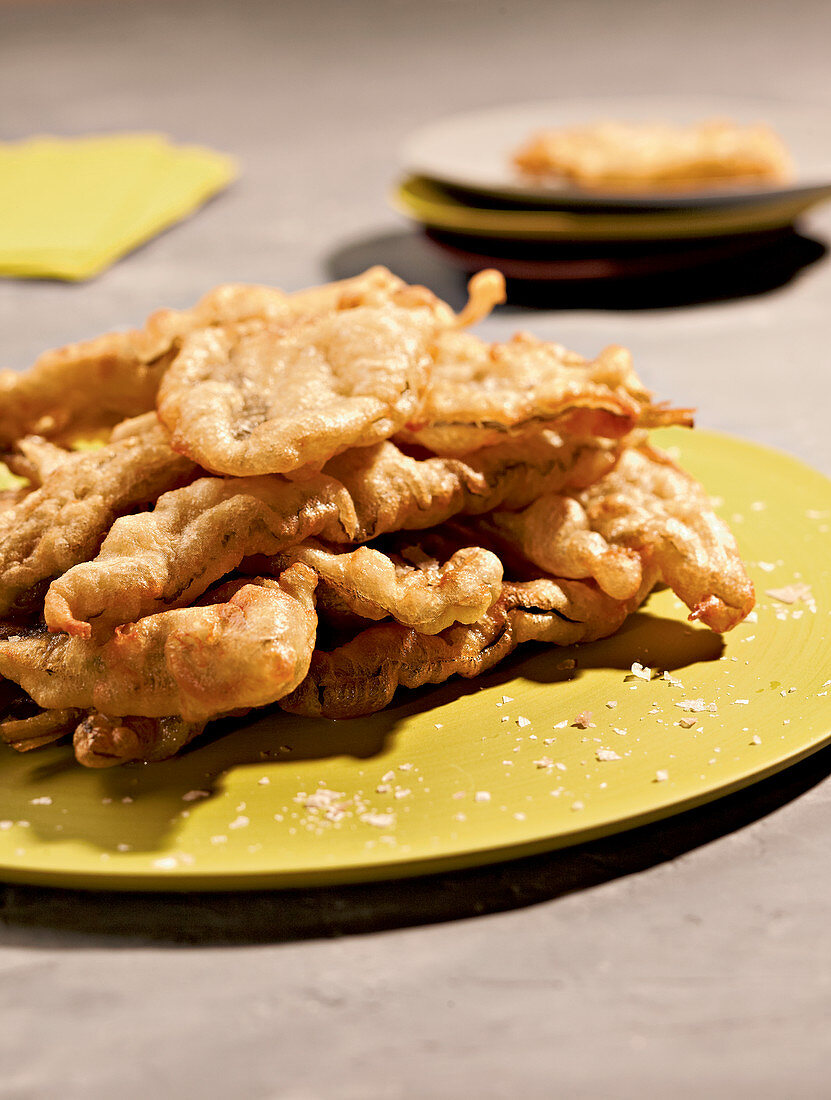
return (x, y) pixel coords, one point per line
(480, 393)
(103, 742)
(386, 466)
(294, 394)
(646, 510)
(280, 398)
(636, 156)
(35, 458)
(64, 521)
(362, 676)
(247, 650)
(123, 369)
(422, 593)
(195, 535)
(192, 538)
(648, 501)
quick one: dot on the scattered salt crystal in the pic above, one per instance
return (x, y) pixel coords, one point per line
(507, 699)
(458, 794)
(519, 816)
(126, 799)
(322, 798)
(402, 792)
(522, 721)
(671, 679)
(641, 671)
(264, 781)
(740, 702)
(755, 739)
(44, 800)
(124, 847)
(767, 566)
(583, 720)
(219, 840)
(560, 725)
(6, 824)
(686, 723)
(405, 767)
(193, 795)
(544, 762)
(661, 775)
(577, 805)
(791, 593)
(388, 777)
(612, 703)
(383, 788)
(606, 754)
(696, 705)
(619, 730)
(239, 822)
(482, 796)
(166, 863)
(438, 725)
(379, 821)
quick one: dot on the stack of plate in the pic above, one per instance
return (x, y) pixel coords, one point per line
(460, 186)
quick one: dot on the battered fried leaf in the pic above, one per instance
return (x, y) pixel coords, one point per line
(301, 390)
(35, 458)
(280, 398)
(194, 536)
(64, 521)
(197, 534)
(245, 651)
(362, 676)
(102, 742)
(480, 393)
(645, 510)
(79, 390)
(122, 370)
(25, 734)
(422, 593)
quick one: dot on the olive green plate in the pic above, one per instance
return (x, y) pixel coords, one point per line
(428, 203)
(474, 771)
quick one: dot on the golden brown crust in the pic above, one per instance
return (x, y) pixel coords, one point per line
(196, 662)
(362, 676)
(644, 156)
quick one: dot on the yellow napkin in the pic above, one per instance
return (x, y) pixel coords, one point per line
(72, 206)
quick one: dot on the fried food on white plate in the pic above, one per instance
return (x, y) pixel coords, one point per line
(246, 650)
(361, 676)
(481, 394)
(644, 156)
(197, 534)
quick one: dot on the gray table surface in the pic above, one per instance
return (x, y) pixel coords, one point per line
(687, 959)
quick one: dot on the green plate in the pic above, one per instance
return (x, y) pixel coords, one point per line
(430, 204)
(474, 771)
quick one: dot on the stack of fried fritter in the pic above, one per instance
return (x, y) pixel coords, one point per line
(312, 499)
